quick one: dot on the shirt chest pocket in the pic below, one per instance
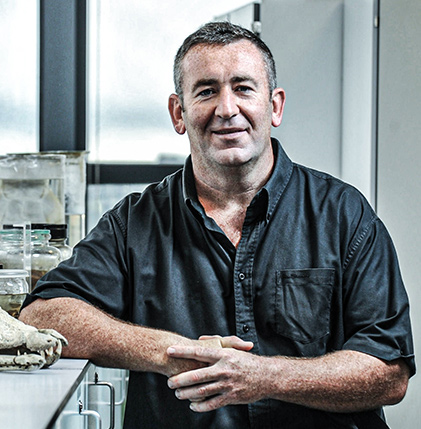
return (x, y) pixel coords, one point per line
(303, 303)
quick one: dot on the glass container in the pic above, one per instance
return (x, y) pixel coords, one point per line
(15, 248)
(31, 188)
(13, 290)
(58, 238)
(43, 256)
(74, 193)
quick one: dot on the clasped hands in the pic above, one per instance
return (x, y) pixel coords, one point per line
(227, 374)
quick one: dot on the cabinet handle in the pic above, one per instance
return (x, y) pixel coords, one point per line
(83, 413)
(123, 381)
(90, 413)
(112, 397)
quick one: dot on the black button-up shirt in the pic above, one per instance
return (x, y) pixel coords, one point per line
(315, 271)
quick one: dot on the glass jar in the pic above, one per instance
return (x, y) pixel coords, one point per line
(44, 257)
(32, 188)
(58, 238)
(74, 193)
(15, 248)
(13, 290)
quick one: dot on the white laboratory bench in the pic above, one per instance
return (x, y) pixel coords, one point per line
(61, 397)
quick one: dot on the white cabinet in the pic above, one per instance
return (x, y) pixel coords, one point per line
(72, 394)
(107, 391)
(98, 401)
(74, 414)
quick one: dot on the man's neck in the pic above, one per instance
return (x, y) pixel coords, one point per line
(226, 195)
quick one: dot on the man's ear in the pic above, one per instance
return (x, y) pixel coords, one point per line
(176, 112)
(278, 103)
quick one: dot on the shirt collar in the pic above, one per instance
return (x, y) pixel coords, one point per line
(272, 190)
(279, 179)
(189, 187)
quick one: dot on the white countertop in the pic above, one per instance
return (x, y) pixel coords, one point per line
(30, 399)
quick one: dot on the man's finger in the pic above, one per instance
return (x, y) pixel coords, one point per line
(191, 378)
(208, 404)
(236, 343)
(229, 342)
(202, 354)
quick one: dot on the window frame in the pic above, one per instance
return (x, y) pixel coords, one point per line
(63, 95)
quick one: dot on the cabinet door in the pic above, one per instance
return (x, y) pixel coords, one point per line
(71, 417)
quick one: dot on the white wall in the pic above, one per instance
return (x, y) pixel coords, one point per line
(325, 55)
(306, 40)
(399, 165)
(359, 92)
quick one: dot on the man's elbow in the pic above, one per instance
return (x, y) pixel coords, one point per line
(32, 314)
(398, 384)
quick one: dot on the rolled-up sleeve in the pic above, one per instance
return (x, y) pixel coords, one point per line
(97, 271)
(376, 307)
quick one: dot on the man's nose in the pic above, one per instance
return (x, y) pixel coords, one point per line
(227, 106)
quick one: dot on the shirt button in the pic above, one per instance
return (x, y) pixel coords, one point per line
(246, 328)
(241, 276)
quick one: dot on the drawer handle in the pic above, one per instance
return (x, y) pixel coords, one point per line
(90, 413)
(84, 413)
(112, 397)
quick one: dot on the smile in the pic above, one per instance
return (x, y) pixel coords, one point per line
(228, 131)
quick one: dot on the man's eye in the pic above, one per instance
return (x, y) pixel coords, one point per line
(206, 92)
(243, 89)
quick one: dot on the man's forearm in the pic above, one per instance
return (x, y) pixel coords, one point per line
(94, 335)
(344, 381)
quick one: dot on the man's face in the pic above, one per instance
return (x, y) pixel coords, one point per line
(227, 107)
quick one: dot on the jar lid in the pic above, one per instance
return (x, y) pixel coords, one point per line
(57, 231)
(40, 232)
(13, 273)
(10, 231)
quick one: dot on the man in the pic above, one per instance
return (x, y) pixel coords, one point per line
(240, 243)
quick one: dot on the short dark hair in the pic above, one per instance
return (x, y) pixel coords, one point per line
(222, 33)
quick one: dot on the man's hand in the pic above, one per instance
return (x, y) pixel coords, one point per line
(226, 379)
(343, 381)
(181, 364)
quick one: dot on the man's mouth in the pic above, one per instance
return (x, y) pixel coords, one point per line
(227, 131)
